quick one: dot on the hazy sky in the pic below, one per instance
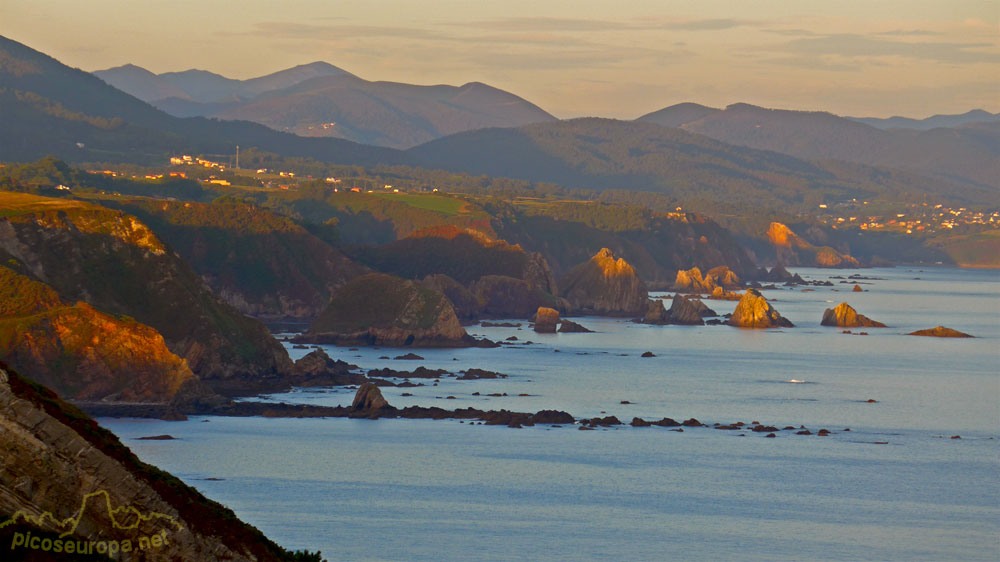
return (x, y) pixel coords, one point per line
(572, 58)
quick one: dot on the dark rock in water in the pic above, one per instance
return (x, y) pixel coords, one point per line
(585, 428)
(684, 311)
(568, 326)
(845, 316)
(639, 422)
(369, 398)
(656, 313)
(803, 432)
(648, 354)
(667, 422)
(823, 432)
(770, 435)
(605, 285)
(551, 417)
(546, 320)
(763, 428)
(940, 332)
(157, 438)
(692, 423)
(606, 421)
(408, 357)
(753, 311)
(474, 374)
(857, 288)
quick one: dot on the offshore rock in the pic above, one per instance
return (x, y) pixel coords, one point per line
(684, 311)
(606, 285)
(546, 320)
(368, 398)
(845, 316)
(940, 332)
(753, 311)
(568, 326)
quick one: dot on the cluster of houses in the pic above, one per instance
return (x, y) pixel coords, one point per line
(917, 218)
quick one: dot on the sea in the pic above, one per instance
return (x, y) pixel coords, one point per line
(909, 471)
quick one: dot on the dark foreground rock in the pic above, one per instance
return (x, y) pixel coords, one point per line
(568, 326)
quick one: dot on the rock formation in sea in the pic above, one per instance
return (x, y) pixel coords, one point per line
(369, 398)
(605, 285)
(845, 316)
(685, 311)
(753, 311)
(380, 309)
(940, 332)
(568, 326)
(63, 474)
(546, 320)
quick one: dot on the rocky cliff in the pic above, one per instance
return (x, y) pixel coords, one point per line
(81, 352)
(845, 316)
(259, 262)
(380, 309)
(501, 296)
(605, 285)
(753, 311)
(69, 482)
(115, 263)
(791, 249)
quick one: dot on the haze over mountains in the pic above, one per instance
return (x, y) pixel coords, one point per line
(48, 108)
(321, 100)
(969, 152)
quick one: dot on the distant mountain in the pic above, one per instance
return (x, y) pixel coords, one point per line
(321, 100)
(384, 113)
(933, 122)
(609, 154)
(49, 108)
(141, 83)
(203, 86)
(969, 153)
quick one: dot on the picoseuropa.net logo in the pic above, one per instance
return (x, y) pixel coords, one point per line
(123, 519)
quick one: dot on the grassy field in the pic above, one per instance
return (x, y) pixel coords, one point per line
(13, 204)
(430, 202)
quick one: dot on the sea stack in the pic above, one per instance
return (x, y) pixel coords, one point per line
(941, 332)
(844, 316)
(606, 285)
(753, 311)
(546, 320)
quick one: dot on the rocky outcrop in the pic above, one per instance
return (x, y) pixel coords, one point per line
(369, 398)
(379, 309)
(845, 316)
(692, 281)
(81, 352)
(684, 311)
(568, 326)
(605, 285)
(115, 263)
(501, 296)
(62, 474)
(546, 320)
(940, 332)
(753, 311)
(794, 250)
(465, 303)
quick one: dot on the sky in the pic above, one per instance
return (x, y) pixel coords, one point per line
(871, 58)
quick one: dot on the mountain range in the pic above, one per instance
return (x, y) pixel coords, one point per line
(969, 152)
(321, 100)
(49, 108)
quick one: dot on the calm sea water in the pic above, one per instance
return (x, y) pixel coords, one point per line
(895, 487)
